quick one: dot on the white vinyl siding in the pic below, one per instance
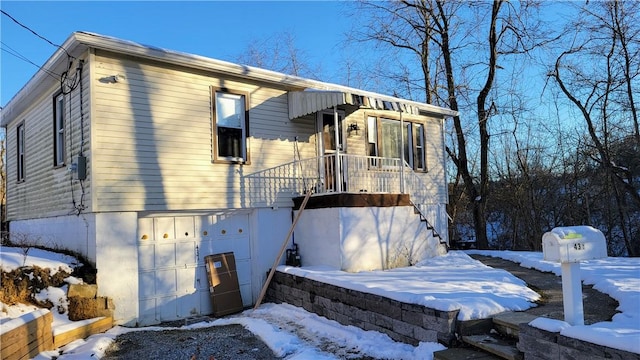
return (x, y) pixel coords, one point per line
(154, 148)
(46, 191)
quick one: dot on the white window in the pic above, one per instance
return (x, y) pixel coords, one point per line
(20, 152)
(419, 157)
(372, 136)
(392, 142)
(230, 126)
(393, 139)
(58, 130)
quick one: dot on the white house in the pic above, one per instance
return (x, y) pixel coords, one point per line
(146, 160)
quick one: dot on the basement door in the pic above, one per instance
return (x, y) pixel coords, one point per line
(172, 279)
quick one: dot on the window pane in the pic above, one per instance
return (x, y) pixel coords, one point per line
(59, 130)
(420, 153)
(230, 110)
(372, 131)
(372, 136)
(20, 162)
(390, 139)
(408, 144)
(392, 143)
(230, 142)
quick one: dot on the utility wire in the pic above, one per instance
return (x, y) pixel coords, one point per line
(35, 33)
(15, 53)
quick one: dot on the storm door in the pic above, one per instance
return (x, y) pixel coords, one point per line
(330, 147)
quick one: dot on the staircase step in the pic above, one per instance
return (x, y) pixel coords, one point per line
(475, 327)
(508, 323)
(504, 348)
(463, 354)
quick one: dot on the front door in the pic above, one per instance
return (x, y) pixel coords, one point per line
(329, 146)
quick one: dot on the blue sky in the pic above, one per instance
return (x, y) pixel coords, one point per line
(217, 29)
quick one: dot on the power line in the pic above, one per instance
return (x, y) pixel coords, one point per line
(9, 50)
(35, 33)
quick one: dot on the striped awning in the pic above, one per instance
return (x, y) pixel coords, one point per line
(311, 101)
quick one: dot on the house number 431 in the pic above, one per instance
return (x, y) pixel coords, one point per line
(578, 246)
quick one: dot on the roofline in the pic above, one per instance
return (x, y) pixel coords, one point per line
(80, 41)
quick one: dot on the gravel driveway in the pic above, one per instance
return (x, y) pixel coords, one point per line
(213, 343)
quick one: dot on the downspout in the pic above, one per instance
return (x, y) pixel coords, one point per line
(337, 135)
(401, 153)
(446, 181)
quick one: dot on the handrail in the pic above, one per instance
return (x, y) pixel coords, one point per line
(418, 198)
(354, 174)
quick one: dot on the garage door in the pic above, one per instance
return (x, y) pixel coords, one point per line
(171, 251)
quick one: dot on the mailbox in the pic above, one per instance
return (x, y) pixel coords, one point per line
(573, 244)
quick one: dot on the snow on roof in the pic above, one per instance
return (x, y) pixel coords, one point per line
(79, 41)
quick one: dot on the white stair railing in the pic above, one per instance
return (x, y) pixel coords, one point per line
(357, 174)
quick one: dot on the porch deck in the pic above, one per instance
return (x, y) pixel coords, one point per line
(353, 200)
(345, 180)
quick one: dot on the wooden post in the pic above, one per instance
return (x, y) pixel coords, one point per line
(284, 245)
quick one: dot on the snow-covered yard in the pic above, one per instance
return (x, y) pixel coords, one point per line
(454, 281)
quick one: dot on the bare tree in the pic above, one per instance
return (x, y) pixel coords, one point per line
(595, 74)
(458, 68)
(279, 52)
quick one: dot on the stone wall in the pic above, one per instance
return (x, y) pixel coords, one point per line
(408, 323)
(538, 344)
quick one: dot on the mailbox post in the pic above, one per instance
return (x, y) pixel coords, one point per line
(569, 246)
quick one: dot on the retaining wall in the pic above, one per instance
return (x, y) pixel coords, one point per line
(538, 344)
(25, 337)
(408, 323)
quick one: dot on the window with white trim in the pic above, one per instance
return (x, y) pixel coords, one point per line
(230, 119)
(20, 146)
(420, 154)
(58, 130)
(385, 139)
(372, 136)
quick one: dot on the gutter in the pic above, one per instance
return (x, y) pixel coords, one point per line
(78, 42)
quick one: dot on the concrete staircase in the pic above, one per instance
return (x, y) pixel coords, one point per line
(486, 339)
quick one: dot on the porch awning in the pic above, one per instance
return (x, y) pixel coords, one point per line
(310, 101)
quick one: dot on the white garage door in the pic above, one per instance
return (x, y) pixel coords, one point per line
(171, 251)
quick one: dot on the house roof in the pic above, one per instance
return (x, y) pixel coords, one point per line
(311, 90)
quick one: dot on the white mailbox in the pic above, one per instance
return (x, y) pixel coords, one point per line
(569, 246)
(574, 244)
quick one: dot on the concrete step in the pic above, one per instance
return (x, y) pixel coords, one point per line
(508, 323)
(474, 327)
(463, 354)
(505, 348)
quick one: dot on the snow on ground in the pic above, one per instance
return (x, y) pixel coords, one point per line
(618, 277)
(453, 281)
(12, 258)
(15, 257)
(449, 282)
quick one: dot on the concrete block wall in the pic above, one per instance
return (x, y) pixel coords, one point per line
(408, 323)
(538, 344)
